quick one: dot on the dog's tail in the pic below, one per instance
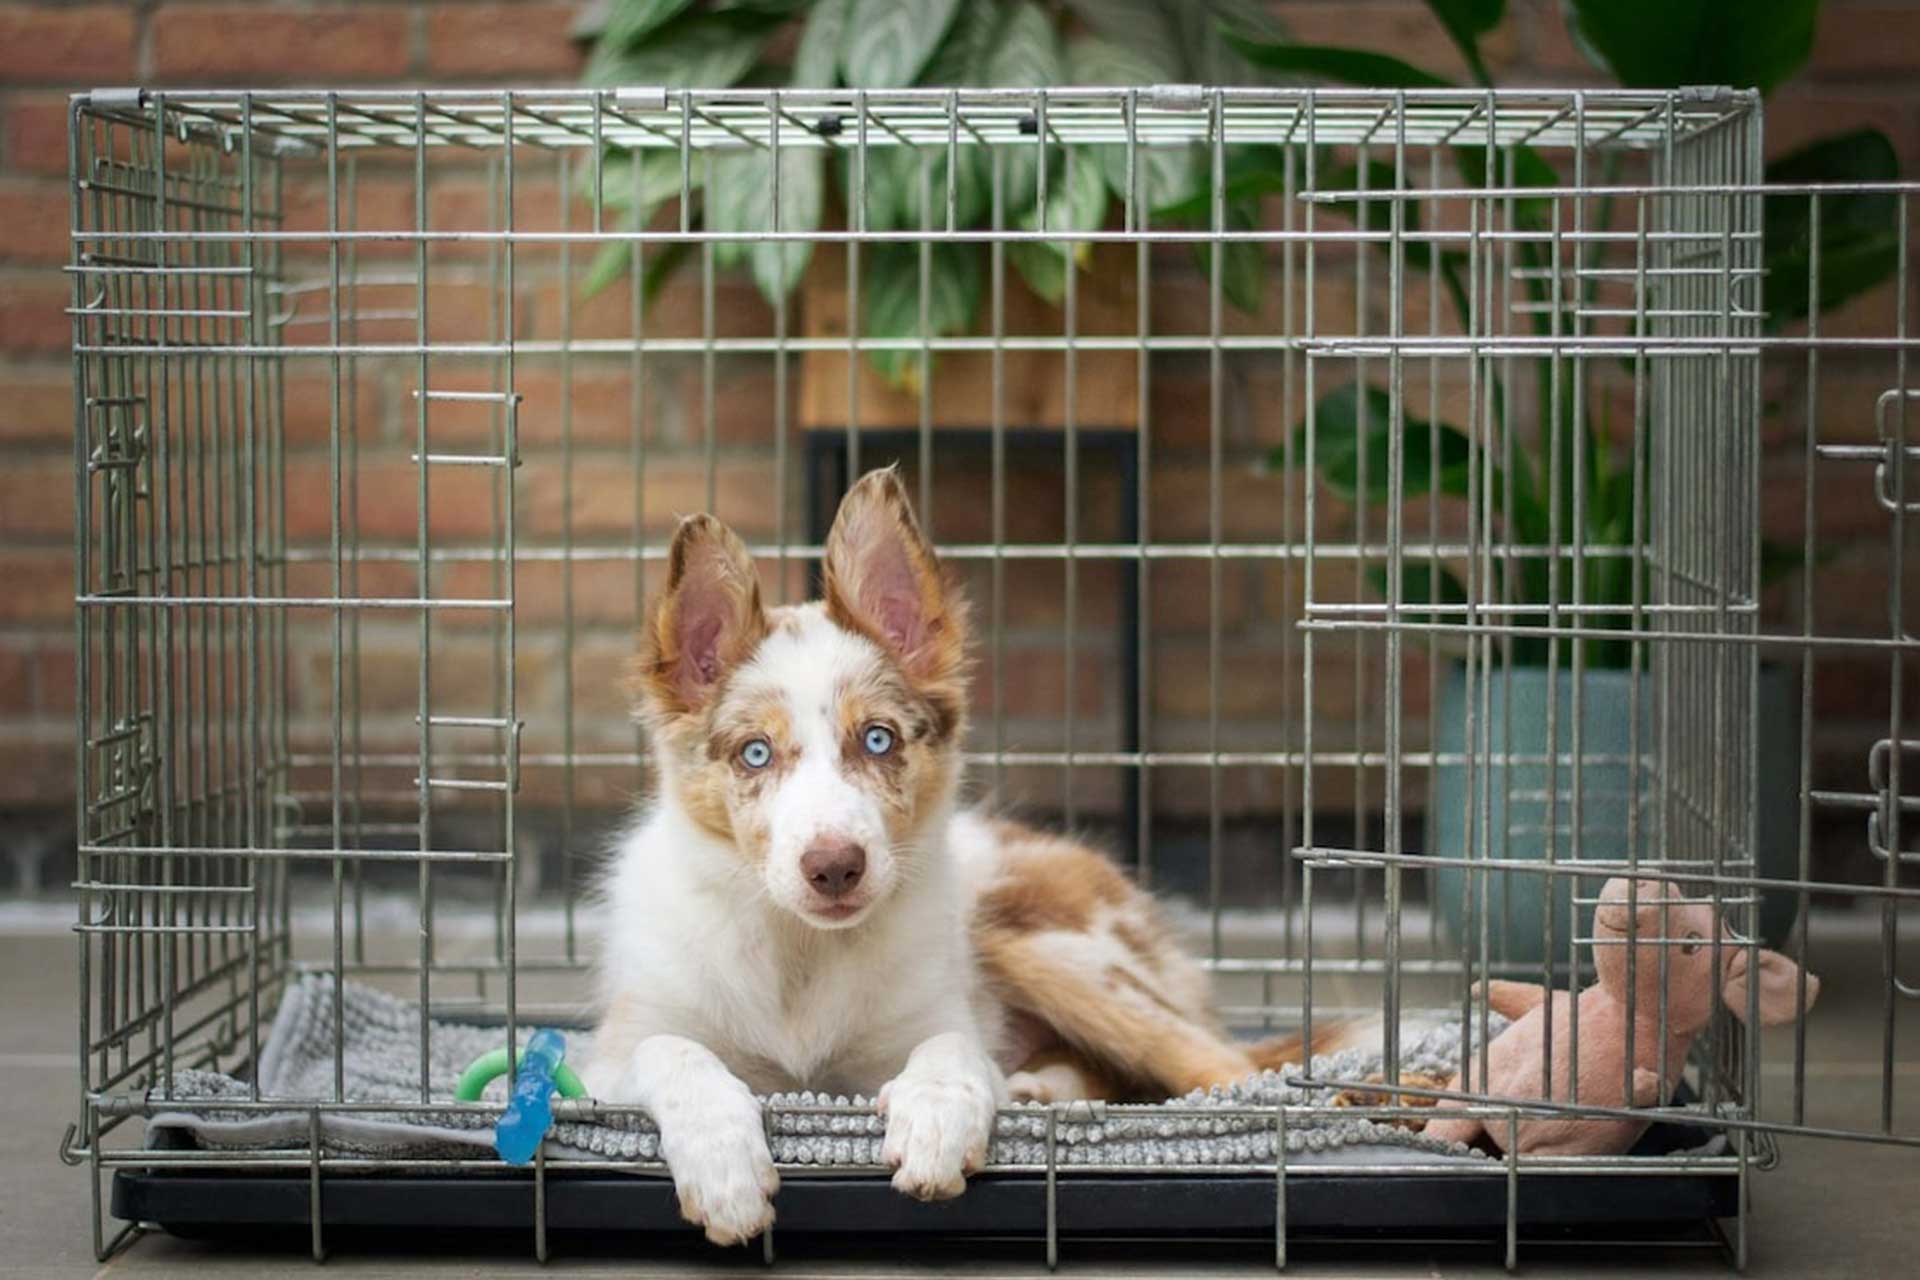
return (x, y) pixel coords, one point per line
(1280, 1053)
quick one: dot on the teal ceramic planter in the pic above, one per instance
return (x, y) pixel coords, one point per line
(1515, 788)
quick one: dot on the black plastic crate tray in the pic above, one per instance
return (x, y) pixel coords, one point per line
(995, 1205)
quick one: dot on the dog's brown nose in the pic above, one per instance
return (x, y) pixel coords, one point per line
(834, 867)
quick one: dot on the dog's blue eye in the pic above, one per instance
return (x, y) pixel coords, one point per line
(756, 754)
(879, 740)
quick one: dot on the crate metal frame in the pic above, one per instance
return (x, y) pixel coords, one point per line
(199, 795)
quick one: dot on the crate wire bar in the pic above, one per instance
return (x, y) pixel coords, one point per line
(239, 547)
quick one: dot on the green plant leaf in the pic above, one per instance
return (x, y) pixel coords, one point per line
(816, 59)
(1421, 582)
(1166, 173)
(889, 41)
(659, 178)
(628, 22)
(1466, 21)
(892, 185)
(1026, 53)
(961, 58)
(611, 262)
(1243, 272)
(1043, 270)
(1662, 44)
(1204, 30)
(1340, 65)
(1145, 29)
(1252, 171)
(695, 50)
(1095, 61)
(1076, 193)
(1341, 437)
(890, 301)
(1530, 169)
(740, 199)
(893, 198)
(1859, 232)
(616, 260)
(1076, 201)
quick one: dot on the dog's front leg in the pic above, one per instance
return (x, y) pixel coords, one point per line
(710, 1136)
(940, 1111)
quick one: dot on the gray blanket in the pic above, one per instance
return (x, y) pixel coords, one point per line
(382, 1064)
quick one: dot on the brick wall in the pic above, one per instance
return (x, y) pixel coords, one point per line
(1863, 72)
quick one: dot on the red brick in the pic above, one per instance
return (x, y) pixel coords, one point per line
(600, 668)
(471, 204)
(1251, 684)
(1035, 681)
(1849, 685)
(1844, 501)
(462, 677)
(54, 680)
(33, 316)
(1855, 38)
(37, 496)
(603, 591)
(1800, 112)
(36, 134)
(600, 396)
(377, 579)
(35, 216)
(379, 203)
(743, 400)
(308, 412)
(520, 40)
(16, 687)
(1250, 509)
(39, 585)
(213, 42)
(675, 312)
(459, 505)
(60, 44)
(603, 497)
(37, 406)
(39, 770)
(1036, 593)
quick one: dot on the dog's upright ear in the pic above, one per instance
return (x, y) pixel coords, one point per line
(883, 581)
(706, 621)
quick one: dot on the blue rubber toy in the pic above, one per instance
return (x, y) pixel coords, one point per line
(529, 1113)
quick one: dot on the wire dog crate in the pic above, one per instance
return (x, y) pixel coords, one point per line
(371, 489)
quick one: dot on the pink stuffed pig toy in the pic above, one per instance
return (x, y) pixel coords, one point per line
(1685, 931)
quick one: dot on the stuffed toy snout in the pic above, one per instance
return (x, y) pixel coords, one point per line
(1657, 917)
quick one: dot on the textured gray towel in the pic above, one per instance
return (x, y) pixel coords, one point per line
(382, 1064)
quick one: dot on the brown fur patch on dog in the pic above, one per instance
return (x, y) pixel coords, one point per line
(1048, 883)
(1065, 938)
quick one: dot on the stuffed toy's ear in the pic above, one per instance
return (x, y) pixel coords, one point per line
(1779, 986)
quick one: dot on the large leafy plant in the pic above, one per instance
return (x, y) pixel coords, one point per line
(883, 44)
(1574, 483)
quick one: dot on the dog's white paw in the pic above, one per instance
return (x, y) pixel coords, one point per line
(937, 1133)
(722, 1171)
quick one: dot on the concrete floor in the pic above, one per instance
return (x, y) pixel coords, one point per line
(1830, 1209)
